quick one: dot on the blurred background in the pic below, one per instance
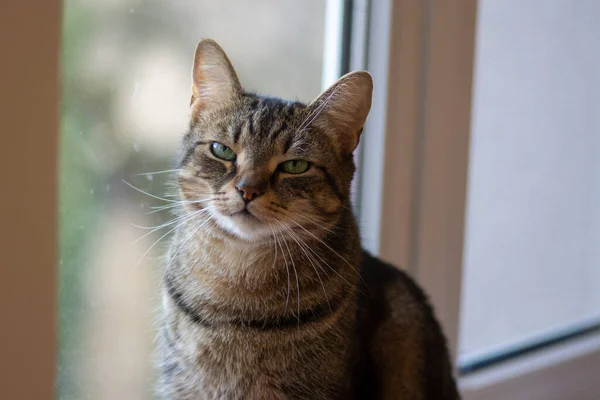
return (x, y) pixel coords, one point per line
(531, 259)
(126, 68)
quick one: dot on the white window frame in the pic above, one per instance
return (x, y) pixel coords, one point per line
(414, 180)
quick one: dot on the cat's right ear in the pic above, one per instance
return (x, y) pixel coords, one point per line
(343, 108)
(214, 81)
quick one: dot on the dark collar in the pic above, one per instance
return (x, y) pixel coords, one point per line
(314, 314)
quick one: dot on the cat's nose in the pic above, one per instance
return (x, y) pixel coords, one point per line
(251, 187)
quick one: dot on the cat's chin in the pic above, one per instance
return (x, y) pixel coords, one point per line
(243, 225)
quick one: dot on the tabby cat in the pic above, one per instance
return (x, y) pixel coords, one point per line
(267, 293)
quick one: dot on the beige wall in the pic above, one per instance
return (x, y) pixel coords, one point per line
(29, 36)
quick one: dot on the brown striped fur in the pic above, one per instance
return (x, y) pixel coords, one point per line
(272, 297)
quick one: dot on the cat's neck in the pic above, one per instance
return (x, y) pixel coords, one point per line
(218, 272)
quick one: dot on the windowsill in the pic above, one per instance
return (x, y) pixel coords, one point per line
(563, 370)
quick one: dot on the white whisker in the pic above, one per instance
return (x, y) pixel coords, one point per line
(275, 245)
(297, 281)
(310, 258)
(325, 244)
(151, 195)
(166, 171)
(287, 270)
(159, 239)
(156, 209)
(320, 225)
(181, 246)
(161, 226)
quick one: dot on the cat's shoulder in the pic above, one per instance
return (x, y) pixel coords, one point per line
(392, 291)
(404, 349)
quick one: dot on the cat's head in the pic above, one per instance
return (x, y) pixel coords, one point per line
(256, 165)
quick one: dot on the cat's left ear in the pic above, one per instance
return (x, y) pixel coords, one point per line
(342, 110)
(214, 81)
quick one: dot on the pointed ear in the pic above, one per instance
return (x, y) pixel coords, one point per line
(343, 108)
(214, 82)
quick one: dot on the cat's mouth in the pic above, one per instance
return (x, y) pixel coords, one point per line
(245, 213)
(247, 223)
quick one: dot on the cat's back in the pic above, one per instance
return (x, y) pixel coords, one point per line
(390, 292)
(403, 351)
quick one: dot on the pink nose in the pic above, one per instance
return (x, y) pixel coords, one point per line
(250, 188)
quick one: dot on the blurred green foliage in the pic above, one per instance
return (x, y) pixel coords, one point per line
(77, 206)
(113, 54)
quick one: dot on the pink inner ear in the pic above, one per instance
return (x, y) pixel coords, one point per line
(346, 105)
(214, 81)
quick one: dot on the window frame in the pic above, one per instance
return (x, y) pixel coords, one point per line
(421, 55)
(424, 76)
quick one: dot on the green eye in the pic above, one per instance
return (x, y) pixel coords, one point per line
(295, 166)
(221, 151)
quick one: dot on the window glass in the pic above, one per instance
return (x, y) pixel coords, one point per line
(532, 248)
(125, 95)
